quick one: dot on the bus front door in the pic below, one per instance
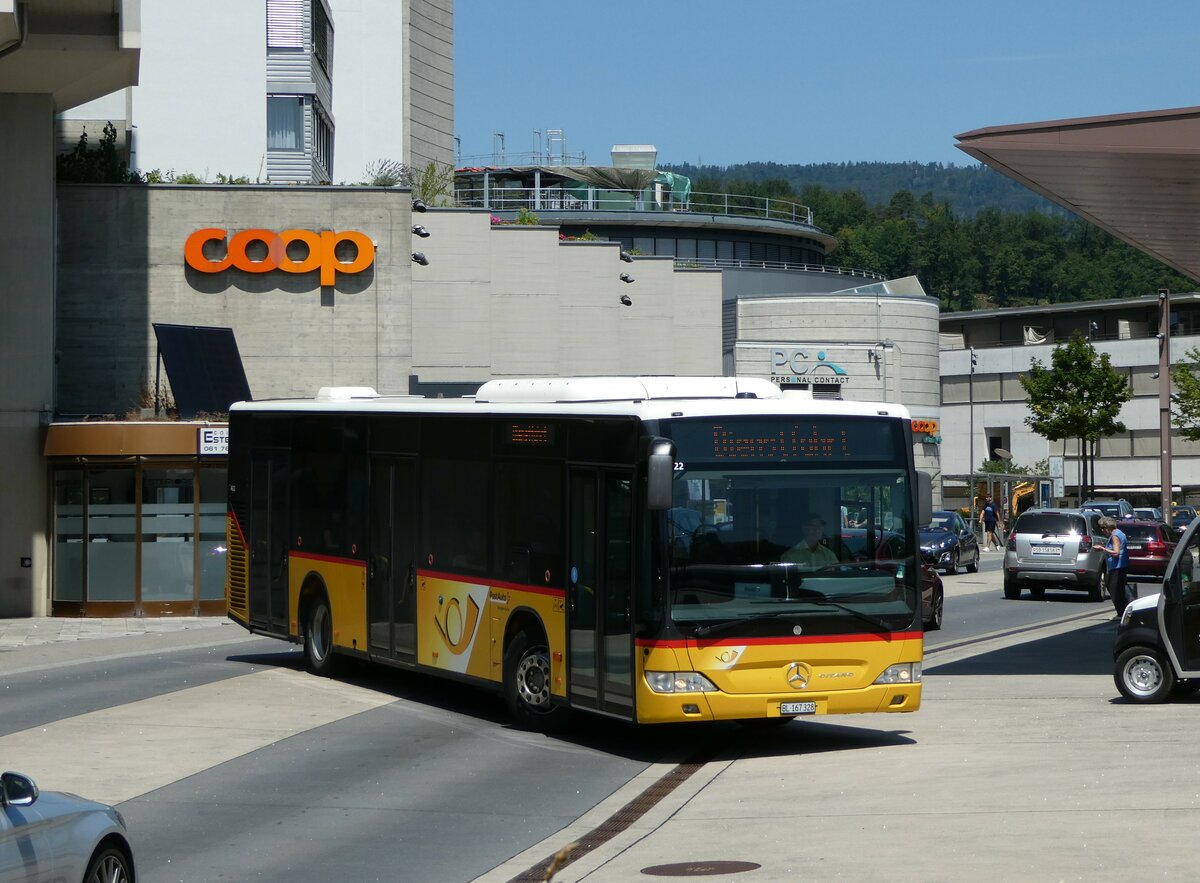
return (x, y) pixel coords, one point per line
(270, 530)
(391, 567)
(599, 591)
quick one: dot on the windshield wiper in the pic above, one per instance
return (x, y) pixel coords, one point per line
(857, 614)
(704, 630)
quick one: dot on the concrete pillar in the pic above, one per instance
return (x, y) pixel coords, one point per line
(26, 348)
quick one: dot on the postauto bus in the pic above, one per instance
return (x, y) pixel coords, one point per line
(623, 545)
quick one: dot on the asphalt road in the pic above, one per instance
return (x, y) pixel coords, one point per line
(232, 763)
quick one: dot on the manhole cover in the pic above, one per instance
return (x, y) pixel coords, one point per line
(699, 869)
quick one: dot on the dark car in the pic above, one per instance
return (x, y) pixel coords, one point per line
(948, 543)
(1182, 516)
(1151, 544)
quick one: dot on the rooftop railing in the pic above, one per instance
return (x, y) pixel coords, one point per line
(733, 264)
(557, 199)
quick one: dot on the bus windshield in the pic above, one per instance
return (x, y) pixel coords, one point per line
(775, 548)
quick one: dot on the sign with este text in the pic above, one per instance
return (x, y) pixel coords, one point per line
(213, 441)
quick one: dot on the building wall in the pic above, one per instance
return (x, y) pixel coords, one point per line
(887, 346)
(493, 301)
(994, 402)
(27, 342)
(429, 61)
(200, 105)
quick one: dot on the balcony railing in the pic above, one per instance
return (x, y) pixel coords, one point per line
(556, 199)
(732, 264)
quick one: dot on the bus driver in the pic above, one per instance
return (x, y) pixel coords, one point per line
(812, 552)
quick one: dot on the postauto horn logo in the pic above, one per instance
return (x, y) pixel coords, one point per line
(321, 252)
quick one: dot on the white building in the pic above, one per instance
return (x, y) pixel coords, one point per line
(986, 409)
(283, 91)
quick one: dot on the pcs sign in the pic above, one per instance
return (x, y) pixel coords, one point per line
(319, 256)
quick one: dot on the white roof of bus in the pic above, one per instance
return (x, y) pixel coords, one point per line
(648, 398)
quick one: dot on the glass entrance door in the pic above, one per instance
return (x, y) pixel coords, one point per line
(391, 568)
(600, 589)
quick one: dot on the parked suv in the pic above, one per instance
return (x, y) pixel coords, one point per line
(1118, 509)
(1053, 548)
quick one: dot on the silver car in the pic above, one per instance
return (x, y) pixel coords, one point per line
(53, 836)
(1052, 548)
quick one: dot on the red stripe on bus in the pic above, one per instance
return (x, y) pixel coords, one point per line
(494, 584)
(332, 559)
(684, 643)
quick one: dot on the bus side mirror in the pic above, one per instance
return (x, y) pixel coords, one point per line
(660, 473)
(924, 498)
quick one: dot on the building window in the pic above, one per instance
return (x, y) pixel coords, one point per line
(322, 141)
(285, 122)
(322, 35)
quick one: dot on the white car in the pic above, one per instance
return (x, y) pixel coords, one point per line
(53, 836)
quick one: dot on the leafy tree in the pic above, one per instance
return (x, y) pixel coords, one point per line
(1079, 396)
(95, 165)
(435, 184)
(1186, 411)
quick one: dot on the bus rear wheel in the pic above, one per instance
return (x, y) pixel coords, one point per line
(527, 682)
(318, 638)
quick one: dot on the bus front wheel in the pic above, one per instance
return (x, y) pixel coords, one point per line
(318, 638)
(527, 683)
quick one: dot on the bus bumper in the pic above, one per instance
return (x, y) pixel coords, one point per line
(675, 707)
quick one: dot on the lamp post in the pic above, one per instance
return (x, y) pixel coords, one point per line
(971, 440)
(1164, 400)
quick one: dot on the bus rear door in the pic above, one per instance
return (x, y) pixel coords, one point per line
(270, 528)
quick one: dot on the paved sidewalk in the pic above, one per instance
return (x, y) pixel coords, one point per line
(38, 630)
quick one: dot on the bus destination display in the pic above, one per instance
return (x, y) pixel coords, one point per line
(786, 441)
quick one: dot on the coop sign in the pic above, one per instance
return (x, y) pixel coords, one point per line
(795, 366)
(319, 252)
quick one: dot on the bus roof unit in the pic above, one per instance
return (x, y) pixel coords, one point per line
(545, 390)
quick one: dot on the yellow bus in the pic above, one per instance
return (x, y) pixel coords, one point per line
(631, 546)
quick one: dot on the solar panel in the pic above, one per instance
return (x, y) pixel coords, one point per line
(203, 366)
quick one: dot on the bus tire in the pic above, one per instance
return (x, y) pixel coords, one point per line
(318, 637)
(1144, 675)
(527, 684)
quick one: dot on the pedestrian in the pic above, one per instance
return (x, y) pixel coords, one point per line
(1117, 549)
(991, 515)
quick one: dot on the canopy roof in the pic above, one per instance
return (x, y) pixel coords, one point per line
(1136, 175)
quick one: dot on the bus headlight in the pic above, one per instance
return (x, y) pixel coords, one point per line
(679, 682)
(903, 673)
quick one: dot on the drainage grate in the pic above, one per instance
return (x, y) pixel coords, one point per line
(700, 869)
(613, 825)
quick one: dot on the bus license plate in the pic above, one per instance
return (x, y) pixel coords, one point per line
(1047, 550)
(797, 708)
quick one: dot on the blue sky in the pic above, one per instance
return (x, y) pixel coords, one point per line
(795, 81)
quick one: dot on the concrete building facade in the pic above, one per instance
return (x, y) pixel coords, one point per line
(284, 91)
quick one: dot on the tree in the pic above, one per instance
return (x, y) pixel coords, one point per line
(1186, 378)
(1078, 397)
(101, 164)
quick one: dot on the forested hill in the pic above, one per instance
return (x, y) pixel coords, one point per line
(968, 188)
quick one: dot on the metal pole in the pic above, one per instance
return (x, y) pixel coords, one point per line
(157, 376)
(971, 443)
(1164, 399)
